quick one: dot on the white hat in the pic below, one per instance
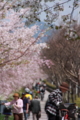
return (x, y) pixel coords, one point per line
(27, 90)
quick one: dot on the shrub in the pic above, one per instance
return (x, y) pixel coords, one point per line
(49, 84)
(36, 93)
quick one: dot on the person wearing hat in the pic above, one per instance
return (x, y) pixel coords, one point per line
(54, 99)
(17, 107)
(28, 95)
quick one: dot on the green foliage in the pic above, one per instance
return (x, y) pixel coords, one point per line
(36, 93)
(2, 117)
(77, 101)
(49, 84)
(17, 91)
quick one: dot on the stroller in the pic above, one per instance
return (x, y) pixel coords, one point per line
(68, 111)
(5, 111)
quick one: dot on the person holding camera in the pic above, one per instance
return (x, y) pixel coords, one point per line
(17, 107)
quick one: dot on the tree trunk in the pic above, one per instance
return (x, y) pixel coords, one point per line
(79, 83)
(72, 94)
(78, 90)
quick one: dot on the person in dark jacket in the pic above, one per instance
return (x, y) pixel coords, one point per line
(35, 108)
(54, 99)
(25, 106)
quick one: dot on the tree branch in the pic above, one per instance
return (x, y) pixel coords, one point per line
(2, 64)
(53, 6)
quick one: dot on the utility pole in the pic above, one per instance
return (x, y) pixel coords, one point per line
(79, 82)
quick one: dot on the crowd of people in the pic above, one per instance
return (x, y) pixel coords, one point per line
(27, 104)
(40, 88)
(21, 107)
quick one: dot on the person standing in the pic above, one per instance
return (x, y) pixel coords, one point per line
(17, 107)
(36, 108)
(54, 99)
(25, 106)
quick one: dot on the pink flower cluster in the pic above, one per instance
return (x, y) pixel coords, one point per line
(48, 63)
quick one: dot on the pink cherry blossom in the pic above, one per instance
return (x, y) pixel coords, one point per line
(19, 52)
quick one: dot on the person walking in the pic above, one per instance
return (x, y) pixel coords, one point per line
(42, 92)
(54, 99)
(37, 86)
(25, 106)
(28, 95)
(31, 93)
(17, 107)
(36, 108)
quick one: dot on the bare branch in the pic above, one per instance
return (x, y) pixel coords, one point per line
(53, 6)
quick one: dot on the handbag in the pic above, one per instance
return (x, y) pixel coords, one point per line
(39, 115)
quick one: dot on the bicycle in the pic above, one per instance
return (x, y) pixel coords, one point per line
(68, 112)
(78, 113)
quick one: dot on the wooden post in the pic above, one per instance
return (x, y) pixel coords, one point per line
(68, 96)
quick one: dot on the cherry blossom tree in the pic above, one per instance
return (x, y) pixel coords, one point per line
(19, 55)
(23, 74)
(65, 54)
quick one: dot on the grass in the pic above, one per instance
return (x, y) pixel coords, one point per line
(77, 101)
(2, 117)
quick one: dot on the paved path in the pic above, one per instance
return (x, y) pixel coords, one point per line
(43, 114)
